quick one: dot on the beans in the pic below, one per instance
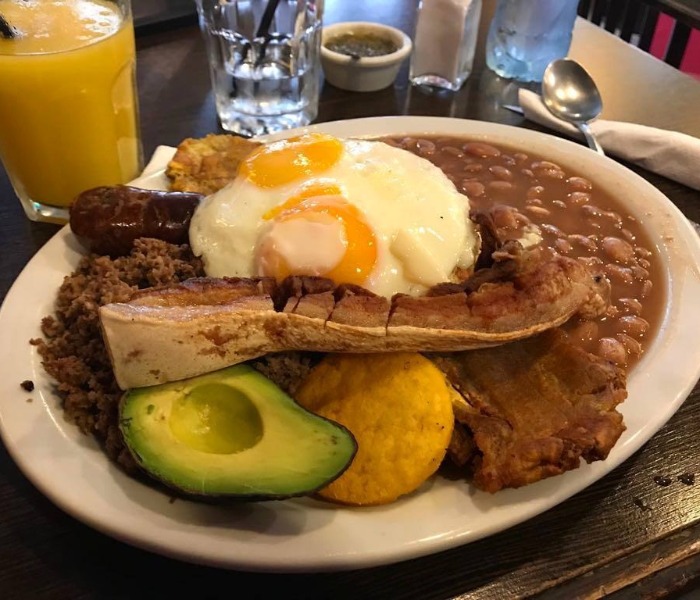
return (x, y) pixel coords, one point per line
(618, 274)
(481, 150)
(631, 306)
(504, 217)
(562, 246)
(639, 273)
(500, 186)
(538, 210)
(633, 325)
(472, 188)
(552, 229)
(611, 349)
(579, 198)
(580, 184)
(584, 242)
(575, 219)
(618, 250)
(534, 192)
(501, 173)
(426, 148)
(632, 346)
(586, 331)
(452, 151)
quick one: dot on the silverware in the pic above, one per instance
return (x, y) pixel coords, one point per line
(570, 94)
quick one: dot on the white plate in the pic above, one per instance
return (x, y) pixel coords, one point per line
(302, 534)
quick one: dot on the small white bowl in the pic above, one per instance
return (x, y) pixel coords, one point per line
(367, 73)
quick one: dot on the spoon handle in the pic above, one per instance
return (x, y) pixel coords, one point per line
(590, 138)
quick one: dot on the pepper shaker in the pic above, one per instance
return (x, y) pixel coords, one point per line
(444, 43)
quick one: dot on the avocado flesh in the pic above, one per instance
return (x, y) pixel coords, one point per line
(232, 433)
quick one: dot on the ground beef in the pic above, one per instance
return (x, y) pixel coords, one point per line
(72, 349)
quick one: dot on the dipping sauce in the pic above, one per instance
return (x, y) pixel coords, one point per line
(575, 219)
(361, 45)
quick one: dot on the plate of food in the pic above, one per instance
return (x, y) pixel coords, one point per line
(347, 346)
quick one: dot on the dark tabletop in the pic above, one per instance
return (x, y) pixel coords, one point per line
(623, 537)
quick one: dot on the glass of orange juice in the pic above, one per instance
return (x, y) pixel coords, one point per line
(68, 103)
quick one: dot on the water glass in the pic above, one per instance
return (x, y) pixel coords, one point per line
(68, 102)
(265, 74)
(525, 36)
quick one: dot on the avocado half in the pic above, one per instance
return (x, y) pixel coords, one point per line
(232, 433)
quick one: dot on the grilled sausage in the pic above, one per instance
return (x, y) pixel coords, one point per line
(108, 219)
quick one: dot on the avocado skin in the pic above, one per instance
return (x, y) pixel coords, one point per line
(297, 452)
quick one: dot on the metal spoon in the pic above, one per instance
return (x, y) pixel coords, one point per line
(569, 92)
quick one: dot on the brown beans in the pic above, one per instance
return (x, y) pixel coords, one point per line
(611, 349)
(538, 210)
(505, 217)
(472, 188)
(575, 219)
(632, 346)
(501, 173)
(534, 192)
(631, 306)
(425, 148)
(562, 246)
(481, 150)
(633, 325)
(618, 274)
(578, 198)
(580, 184)
(452, 151)
(618, 250)
(500, 186)
(583, 241)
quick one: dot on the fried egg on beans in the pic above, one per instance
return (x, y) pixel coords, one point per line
(355, 211)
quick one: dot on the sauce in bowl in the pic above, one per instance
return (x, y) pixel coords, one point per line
(361, 45)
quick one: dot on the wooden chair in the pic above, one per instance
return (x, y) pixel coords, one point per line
(635, 21)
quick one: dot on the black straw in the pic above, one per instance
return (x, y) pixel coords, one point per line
(267, 17)
(6, 30)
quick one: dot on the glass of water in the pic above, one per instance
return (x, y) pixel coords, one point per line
(264, 66)
(526, 35)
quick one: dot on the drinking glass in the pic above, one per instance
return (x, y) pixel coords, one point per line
(264, 62)
(68, 102)
(525, 36)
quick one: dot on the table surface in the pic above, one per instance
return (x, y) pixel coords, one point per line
(623, 537)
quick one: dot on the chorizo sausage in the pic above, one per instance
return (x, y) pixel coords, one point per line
(107, 219)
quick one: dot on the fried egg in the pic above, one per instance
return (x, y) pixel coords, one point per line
(353, 210)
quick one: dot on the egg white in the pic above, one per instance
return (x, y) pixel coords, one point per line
(420, 221)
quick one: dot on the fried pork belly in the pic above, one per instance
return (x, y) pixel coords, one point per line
(532, 409)
(207, 164)
(204, 325)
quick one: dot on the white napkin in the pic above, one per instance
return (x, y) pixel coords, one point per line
(669, 153)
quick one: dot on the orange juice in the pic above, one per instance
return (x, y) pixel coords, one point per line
(68, 106)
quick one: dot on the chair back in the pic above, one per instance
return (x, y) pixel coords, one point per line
(635, 22)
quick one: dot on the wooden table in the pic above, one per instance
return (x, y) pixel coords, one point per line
(625, 536)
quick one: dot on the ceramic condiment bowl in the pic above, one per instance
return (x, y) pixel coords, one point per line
(363, 73)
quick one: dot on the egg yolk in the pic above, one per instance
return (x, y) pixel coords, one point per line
(333, 231)
(290, 160)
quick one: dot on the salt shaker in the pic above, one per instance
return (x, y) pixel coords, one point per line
(444, 43)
